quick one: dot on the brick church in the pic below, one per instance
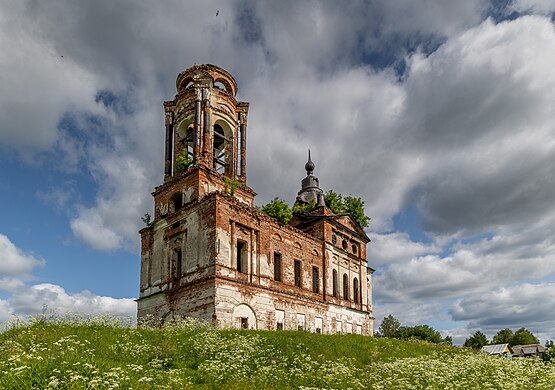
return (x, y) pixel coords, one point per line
(210, 254)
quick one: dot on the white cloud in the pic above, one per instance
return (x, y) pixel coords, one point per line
(24, 299)
(14, 262)
(34, 299)
(386, 249)
(512, 306)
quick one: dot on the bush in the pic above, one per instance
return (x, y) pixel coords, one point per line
(279, 210)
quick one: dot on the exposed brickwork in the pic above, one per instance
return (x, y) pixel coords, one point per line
(211, 254)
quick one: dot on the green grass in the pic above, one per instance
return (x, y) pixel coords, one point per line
(100, 353)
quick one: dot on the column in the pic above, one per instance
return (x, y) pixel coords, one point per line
(243, 131)
(169, 144)
(197, 141)
(206, 145)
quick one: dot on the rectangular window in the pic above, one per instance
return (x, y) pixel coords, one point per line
(277, 266)
(300, 321)
(178, 263)
(280, 319)
(318, 325)
(298, 273)
(315, 280)
(241, 256)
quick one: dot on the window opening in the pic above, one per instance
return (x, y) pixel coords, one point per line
(241, 256)
(277, 266)
(244, 323)
(178, 263)
(355, 290)
(315, 279)
(177, 201)
(345, 286)
(298, 273)
(333, 239)
(355, 249)
(220, 144)
(344, 244)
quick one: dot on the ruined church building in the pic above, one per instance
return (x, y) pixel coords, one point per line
(210, 254)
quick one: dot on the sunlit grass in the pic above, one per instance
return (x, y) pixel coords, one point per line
(104, 353)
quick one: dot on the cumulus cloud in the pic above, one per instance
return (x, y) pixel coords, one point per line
(14, 262)
(25, 299)
(34, 299)
(512, 307)
(479, 109)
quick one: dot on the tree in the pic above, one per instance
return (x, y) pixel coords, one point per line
(335, 202)
(477, 341)
(349, 204)
(279, 210)
(303, 208)
(522, 337)
(355, 207)
(389, 327)
(504, 336)
(420, 332)
(448, 340)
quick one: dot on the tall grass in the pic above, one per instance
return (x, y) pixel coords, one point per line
(104, 353)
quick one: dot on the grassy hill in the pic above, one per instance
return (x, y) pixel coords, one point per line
(102, 354)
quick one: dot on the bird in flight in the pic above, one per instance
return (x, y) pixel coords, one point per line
(217, 12)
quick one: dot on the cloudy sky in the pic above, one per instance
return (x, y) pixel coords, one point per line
(439, 114)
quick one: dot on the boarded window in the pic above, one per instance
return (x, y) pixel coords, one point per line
(315, 280)
(242, 256)
(277, 266)
(298, 273)
(345, 286)
(334, 283)
(355, 290)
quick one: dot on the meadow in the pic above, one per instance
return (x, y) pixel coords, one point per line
(77, 352)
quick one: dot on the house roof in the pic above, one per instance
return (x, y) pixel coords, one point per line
(496, 349)
(529, 349)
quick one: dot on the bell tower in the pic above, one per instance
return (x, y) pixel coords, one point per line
(205, 125)
(206, 134)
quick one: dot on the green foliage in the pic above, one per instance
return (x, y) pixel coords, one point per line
(279, 210)
(183, 161)
(189, 354)
(477, 341)
(335, 202)
(420, 332)
(448, 340)
(522, 337)
(389, 327)
(355, 207)
(549, 353)
(147, 219)
(230, 185)
(350, 205)
(300, 209)
(504, 336)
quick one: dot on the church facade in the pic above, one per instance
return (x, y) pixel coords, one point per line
(210, 254)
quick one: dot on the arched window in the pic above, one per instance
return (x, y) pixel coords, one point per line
(190, 142)
(345, 286)
(220, 143)
(334, 283)
(355, 290)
